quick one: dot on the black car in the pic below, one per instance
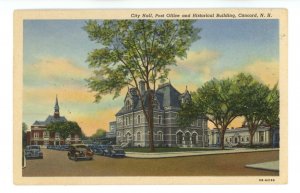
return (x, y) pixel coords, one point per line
(114, 151)
(80, 151)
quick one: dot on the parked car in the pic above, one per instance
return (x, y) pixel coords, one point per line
(80, 151)
(33, 151)
(114, 151)
(64, 147)
(99, 149)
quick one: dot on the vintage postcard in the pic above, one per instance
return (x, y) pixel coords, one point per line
(150, 96)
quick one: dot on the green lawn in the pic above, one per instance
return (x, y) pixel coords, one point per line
(168, 149)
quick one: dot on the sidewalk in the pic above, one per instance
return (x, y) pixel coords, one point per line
(193, 153)
(272, 166)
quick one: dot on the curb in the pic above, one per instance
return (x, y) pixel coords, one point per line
(186, 154)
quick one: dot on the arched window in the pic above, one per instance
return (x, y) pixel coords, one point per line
(159, 136)
(138, 136)
(179, 137)
(128, 137)
(36, 134)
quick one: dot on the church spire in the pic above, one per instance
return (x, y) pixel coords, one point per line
(56, 109)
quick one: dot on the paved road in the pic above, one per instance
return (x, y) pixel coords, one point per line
(56, 163)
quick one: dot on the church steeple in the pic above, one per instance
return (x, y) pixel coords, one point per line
(56, 109)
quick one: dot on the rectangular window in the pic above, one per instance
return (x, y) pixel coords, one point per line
(46, 134)
(159, 119)
(199, 122)
(36, 134)
(261, 136)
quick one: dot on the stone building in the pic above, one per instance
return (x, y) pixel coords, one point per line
(111, 133)
(132, 126)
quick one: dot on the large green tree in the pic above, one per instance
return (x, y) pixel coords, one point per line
(218, 100)
(136, 50)
(64, 129)
(254, 95)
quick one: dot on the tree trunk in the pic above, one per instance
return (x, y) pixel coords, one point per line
(271, 136)
(150, 121)
(222, 139)
(251, 138)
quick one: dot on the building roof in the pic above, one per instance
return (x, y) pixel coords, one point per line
(165, 96)
(50, 119)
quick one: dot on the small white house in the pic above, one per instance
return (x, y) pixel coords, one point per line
(241, 135)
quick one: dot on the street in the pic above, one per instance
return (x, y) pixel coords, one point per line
(56, 163)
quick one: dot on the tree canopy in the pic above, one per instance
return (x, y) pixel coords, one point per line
(221, 101)
(65, 128)
(136, 50)
(99, 133)
(272, 118)
(254, 95)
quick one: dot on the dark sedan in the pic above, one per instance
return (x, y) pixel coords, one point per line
(114, 151)
(80, 151)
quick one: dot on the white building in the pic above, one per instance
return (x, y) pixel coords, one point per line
(263, 136)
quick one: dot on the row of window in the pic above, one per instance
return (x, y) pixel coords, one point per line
(187, 138)
(245, 139)
(242, 139)
(46, 135)
(128, 120)
(159, 136)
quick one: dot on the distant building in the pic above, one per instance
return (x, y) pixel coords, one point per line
(112, 130)
(132, 127)
(38, 135)
(263, 136)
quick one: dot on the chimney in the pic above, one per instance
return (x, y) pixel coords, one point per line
(142, 86)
